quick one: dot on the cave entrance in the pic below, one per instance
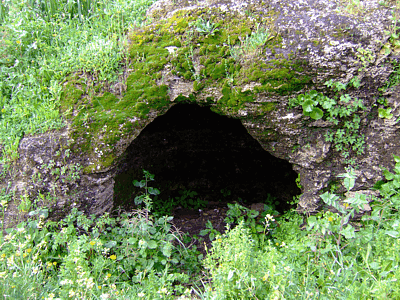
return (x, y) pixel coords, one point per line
(201, 159)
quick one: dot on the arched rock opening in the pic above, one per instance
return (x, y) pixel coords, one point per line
(192, 148)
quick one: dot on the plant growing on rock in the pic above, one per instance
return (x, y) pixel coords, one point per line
(341, 111)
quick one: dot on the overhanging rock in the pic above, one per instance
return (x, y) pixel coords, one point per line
(244, 60)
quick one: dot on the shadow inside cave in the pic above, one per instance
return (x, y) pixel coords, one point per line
(191, 148)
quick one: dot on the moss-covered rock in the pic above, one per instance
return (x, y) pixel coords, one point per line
(244, 60)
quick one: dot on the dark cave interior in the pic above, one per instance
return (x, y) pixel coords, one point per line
(190, 148)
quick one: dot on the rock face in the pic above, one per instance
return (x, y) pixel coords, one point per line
(265, 64)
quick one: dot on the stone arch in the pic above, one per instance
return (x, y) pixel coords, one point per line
(192, 148)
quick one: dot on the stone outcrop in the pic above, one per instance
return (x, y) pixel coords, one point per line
(245, 60)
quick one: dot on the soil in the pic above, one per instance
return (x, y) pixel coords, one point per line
(193, 221)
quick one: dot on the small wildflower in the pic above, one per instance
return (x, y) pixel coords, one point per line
(50, 297)
(92, 243)
(71, 293)
(3, 255)
(287, 269)
(108, 275)
(141, 295)
(330, 219)
(113, 257)
(277, 244)
(54, 263)
(163, 291)
(283, 244)
(99, 287)
(265, 277)
(29, 250)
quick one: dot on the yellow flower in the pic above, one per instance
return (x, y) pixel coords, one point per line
(113, 257)
(265, 278)
(99, 287)
(277, 244)
(92, 243)
(54, 263)
(108, 275)
(18, 42)
(330, 219)
(3, 255)
(29, 250)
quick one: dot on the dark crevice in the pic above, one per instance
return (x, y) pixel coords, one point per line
(192, 148)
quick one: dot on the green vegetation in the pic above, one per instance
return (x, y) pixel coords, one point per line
(341, 111)
(138, 256)
(58, 59)
(42, 42)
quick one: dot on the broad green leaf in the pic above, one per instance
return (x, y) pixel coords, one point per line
(110, 244)
(153, 191)
(388, 175)
(348, 232)
(211, 236)
(203, 232)
(166, 250)
(316, 113)
(308, 106)
(132, 240)
(152, 244)
(139, 183)
(385, 113)
(392, 233)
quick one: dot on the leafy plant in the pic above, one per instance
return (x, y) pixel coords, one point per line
(206, 27)
(385, 113)
(341, 111)
(251, 42)
(145, 198)
(212, 233)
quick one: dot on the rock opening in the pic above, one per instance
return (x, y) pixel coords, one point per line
(197, 154)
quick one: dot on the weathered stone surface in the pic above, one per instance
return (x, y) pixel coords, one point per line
(172, 61)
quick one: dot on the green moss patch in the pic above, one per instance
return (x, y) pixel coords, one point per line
(211, 48)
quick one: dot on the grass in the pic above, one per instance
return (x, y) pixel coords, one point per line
(41, 42)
